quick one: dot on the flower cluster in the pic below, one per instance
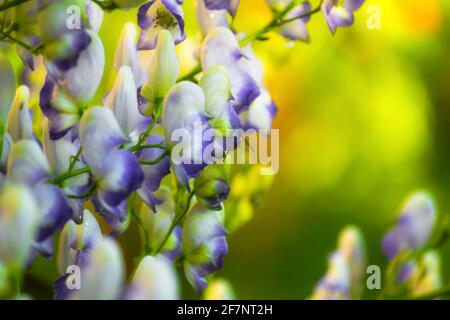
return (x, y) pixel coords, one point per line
(410, 247)
(121, 160)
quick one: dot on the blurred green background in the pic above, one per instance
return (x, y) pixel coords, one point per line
(364, 119)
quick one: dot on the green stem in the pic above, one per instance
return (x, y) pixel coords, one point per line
(175, 222)
(155, 161)
(11, 4)
(147, 146)
(278, 21)
(69, 175)
(144, 228)
(147, 132)
(88, 193)
(314, 11)
(191, 74)
(7, 35)
(74, 159)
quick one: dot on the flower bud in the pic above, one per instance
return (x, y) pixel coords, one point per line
(94, 15)
(335, 285)
(122, 100)
(154, 279)
(127, 54)
(163, 72)
(27, 164)
(77, 240)
(414, 226)
(20, 124)
(211, 187)
(351, 245)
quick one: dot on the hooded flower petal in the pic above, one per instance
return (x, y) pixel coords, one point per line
(154, 279)
(20, 124)
(222, 48)
(260, 114)
(212, 186)
(117, 172)
(94, 15)
(163, 72)
(77, 240)
(82, 80)
(19, 220)
(122, 176)
(27, 164)
(209, 19)
(53, 208)
(216, 86)
(62, 26)
(101, 273)
(414, 225)
(296, 30)
(352, 246)
(185, 123)
(122, 100)
(60, 109)
(230, 5)
(335, 285)
(204, 244)
(100, 133)
(157, 15)
(127, 54)
(340, 14)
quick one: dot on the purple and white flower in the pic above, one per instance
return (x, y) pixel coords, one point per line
(28, 166)
(204, 244)
(339, 13)
(185, 122)
(65, 93)
(222, 48)
(77, 241)
(157, 15)
(101, 274)
(162, 74)
(116, 171)
(414, 226)
(209, 19)
(123, 101)
(229, 5)
(335, 285)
